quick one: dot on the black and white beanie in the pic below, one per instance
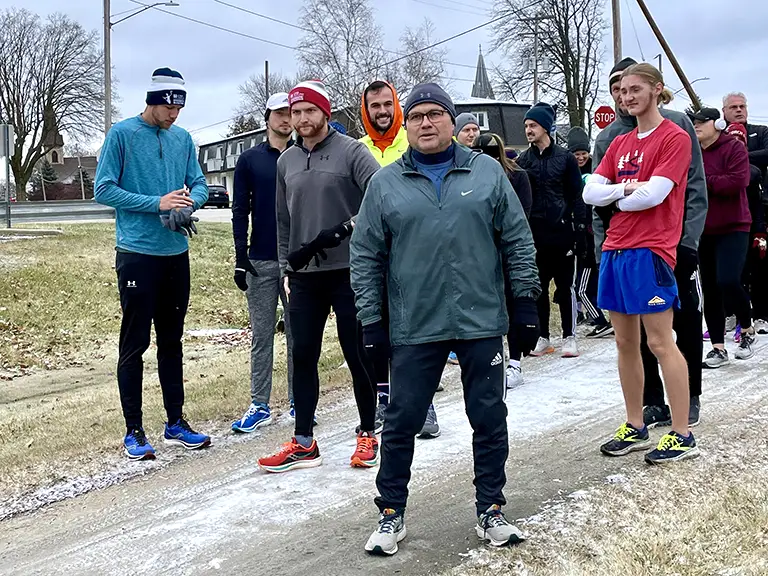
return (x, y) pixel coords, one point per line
(167, 88)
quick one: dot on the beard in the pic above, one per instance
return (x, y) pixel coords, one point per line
(383, 118)
(310, 130)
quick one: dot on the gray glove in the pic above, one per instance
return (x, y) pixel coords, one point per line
(180, 220)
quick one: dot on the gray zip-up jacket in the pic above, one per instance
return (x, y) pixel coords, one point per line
(318, 190)
(695, 194)
(443, 261)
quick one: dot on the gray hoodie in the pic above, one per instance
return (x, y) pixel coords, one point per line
(695, 194)
(318, 190)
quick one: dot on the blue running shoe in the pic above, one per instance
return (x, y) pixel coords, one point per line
(136, 445)
(292, 413)
(182, 434)
(627, 439)
(453, 359)
(256, 416)
(673, 447)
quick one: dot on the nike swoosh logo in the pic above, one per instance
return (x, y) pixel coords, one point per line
(467, 192)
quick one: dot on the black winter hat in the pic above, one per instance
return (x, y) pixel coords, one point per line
(429, 92)
(578, 139)
(543, 114)
(619, 68)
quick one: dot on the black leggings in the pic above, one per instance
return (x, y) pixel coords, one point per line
(312, 296)
(721, 259)
(556, 264)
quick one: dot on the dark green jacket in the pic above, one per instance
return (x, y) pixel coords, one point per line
(443, 261)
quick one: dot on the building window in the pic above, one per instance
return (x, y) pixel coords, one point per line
(482, 117)
(220, 153)
(54, 157)
(240, 146)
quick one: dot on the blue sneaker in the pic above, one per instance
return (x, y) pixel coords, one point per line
(256, 416)
(292, 413)
(673, 447)
(453, 359)
(627, 439)
(136, 445)
(182, 434)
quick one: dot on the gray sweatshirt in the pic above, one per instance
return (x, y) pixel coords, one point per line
(318, 190)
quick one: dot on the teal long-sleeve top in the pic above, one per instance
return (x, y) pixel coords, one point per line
(138, 164)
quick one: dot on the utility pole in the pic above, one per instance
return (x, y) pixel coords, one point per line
(616, 12)
(266, 78)
(80, 172)
(696, 103)
(107, 68)
(535, 20)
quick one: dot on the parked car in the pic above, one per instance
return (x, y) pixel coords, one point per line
(217, 196)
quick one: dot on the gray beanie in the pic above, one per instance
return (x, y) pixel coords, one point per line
(462, 120)
(578, 139)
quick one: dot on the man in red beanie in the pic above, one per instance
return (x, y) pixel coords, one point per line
(320, 185)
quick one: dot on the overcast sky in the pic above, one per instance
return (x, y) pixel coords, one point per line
(214, 63)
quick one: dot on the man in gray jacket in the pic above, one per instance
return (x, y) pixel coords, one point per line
(320, 185)
(687, 320)
(442, 226)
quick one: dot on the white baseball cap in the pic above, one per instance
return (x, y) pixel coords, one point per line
(278, 101)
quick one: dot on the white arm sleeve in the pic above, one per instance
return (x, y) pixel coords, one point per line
(600, 192)
(648, 196)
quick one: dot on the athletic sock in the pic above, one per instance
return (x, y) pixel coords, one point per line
(514, 363)
(305, 441)
(383, 392)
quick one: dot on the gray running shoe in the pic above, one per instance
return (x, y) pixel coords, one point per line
(693, 412)
(730, 323)
(761, 326)
(493, 527)
(391, 530)
(381, 412)
(746, 350)
(431, 428)
(715, 358)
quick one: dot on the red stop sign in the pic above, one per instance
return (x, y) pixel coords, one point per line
(604, 116)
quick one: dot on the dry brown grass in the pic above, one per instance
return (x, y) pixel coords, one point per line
(707, 517)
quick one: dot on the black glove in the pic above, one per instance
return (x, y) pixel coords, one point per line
(302, 257)
(376, 338)
(687, 261)
(581, 242)
(332, 237)
(181, 220)
(242, 267)
(525, 322)
(606, 213)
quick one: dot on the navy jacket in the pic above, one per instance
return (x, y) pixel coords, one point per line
(254, 196)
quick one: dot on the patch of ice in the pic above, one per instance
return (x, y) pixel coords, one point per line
(616, 479)
(211, 332)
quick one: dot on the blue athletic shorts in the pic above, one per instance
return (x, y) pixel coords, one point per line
(636, 281)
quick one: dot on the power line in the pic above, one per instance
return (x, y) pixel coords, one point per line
(637, 38)
(450, 7)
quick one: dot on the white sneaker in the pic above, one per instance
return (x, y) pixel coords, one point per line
(391, 530)
(761, 326)
(730, 323)
(494, 528)
(514, 377)
(543, 347)
(570, 348)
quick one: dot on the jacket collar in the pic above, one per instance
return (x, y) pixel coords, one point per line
(322, 144)
(462, 158)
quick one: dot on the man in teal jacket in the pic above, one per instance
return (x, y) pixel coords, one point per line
(442, 225)
(148, 171)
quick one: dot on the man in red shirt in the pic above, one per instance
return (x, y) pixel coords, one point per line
(642, 177)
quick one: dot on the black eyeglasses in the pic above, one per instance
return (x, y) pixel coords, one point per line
(417, 118)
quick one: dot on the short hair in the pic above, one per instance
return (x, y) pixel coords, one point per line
(734, 95)
(375, 87)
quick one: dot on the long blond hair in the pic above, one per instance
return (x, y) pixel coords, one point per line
(652, 76)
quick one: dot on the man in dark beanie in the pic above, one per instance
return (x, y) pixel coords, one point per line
(687, 318)
(442, 227)
(148, 171)
(558, 222)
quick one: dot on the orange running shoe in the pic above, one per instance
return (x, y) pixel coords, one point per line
(292, 455)
(367, 452)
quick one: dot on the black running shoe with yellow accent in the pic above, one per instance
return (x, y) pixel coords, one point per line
(673, 447)
(627, 439)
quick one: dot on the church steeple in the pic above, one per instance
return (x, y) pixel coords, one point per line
(482, 87)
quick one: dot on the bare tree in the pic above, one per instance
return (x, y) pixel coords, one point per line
(570, 50)
(253, 93)
(75, 148)
(422, 64)
(51, 78)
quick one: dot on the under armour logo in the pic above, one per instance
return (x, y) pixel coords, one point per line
(324, 157)
(130, 284)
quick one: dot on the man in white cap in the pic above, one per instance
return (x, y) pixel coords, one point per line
(257, 272)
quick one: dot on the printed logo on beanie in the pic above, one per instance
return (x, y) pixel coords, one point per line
(295, 97)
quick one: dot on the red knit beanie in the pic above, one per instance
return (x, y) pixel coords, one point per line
(314, 92)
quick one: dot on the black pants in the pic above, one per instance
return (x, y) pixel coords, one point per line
(313, 294)
(722, 258)
(153, 289)
(554, 263)
(755, 278)
(687, 326)
(588, 275)
(416, 372)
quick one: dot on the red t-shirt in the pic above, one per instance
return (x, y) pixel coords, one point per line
(665, 152)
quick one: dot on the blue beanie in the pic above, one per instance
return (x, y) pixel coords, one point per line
(543, 114)
(338, 127)
(429, 92)
(167, 89)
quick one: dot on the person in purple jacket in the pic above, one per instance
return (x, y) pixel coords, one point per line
(724, 245)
